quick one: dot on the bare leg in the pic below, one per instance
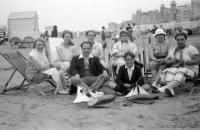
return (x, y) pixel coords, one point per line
(61, 83)
(99, 82)
(157, 78)
(173, 84)
(168, 89)
(154, 74)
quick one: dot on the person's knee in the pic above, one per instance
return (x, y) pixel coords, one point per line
(104, 77)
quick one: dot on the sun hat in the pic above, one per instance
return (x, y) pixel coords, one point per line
(159, 31)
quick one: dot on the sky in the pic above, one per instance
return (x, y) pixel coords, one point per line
(80, 15)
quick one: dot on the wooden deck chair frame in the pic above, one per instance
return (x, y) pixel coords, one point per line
(18, 61)
(147, 72)
(196, 83)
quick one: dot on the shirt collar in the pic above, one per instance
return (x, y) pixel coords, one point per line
(81, 56)
(132, 68)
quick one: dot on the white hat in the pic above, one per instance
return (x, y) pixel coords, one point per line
(159, 31)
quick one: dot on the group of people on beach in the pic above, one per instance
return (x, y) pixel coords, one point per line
(170, 66)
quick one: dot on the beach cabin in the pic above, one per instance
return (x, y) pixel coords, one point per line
(23, 28)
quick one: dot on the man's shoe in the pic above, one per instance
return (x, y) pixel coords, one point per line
(154, 89)
(169, 92)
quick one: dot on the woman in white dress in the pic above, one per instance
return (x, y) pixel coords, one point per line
(39, 68)
(65, 51)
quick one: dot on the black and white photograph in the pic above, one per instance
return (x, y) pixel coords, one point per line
(99, 64)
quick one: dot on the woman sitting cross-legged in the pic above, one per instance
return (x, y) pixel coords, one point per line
(184, 61)
(128, 75)
(38, 67)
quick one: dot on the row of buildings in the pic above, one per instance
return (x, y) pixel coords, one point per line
(174, 13)
(178, 13)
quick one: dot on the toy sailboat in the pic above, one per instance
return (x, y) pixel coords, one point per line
(136, 91)
(84, 95)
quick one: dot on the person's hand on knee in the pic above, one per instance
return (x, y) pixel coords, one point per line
(105, 74)
(112, 85)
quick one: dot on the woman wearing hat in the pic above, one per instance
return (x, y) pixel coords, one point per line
(158, 53)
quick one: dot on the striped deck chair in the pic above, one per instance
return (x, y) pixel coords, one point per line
(147, 72)
(18, 61)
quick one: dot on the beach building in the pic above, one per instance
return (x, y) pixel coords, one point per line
(23, 26)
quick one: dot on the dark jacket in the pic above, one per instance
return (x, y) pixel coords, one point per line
(77, 66)
(123, 78)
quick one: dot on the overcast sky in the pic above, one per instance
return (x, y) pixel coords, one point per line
(80, 14)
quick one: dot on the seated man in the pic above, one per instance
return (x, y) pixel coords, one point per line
(121, 47)
(184, 62)
(87, 70)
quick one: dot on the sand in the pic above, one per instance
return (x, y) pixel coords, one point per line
(27, 110)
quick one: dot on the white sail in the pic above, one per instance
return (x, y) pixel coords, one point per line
(134, 91)
(82, 97)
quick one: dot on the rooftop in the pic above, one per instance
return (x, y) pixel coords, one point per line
(23, 15)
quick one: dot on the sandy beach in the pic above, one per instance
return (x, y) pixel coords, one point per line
(27, 110)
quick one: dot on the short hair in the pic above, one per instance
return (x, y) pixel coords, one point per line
(129, 53)
(54, 26)
(65, 32)
(123, 32)
(90, 31)
(86, 42)
(181, 34)
(38, 39)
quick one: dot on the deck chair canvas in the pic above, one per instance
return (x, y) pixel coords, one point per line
(53, 42)
(18, 61)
